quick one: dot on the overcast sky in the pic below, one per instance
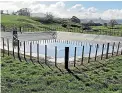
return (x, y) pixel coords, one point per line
(81, 9)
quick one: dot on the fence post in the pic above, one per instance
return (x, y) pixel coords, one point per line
(8, 46)
(38, 53)
(75, 56)
(82, 55)
(18, 49)
(24, 49)
(3, 47)
(89, 54)
(118, 48)
(102, 52)
(13, 49)
(30, 50)
(45, 54)
(20, 29)
(66, 57)
(15, 37)
(107, 50)
(113, 48)
(4, 28)
(121, 51)
(55, 55)
(96, 52)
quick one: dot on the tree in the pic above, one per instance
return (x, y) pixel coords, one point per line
(85, 26)
(113, 23)
(75, 19)
(91, 22)
(49, 17)
(1, 11)
(105, 25)
(13, 13)
(24, 12)
(7, 12)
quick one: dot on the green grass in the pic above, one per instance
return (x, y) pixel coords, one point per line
(116, 31)
(96, 77)
(10, 20)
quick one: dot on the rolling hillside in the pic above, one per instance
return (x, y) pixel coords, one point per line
(10, 20)
(24, 21)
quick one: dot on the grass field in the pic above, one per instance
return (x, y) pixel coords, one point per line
(97, 77)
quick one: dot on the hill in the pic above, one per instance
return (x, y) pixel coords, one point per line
(34, 22)
(10, 20)
(29, 23)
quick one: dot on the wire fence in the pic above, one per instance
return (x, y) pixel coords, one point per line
(110, 32)
(34, 52)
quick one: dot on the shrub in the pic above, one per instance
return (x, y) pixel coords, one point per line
(64, 25)
(74, 25)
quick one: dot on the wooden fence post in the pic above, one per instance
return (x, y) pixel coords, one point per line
(45, 54)
(8, 46)
(102, 51)
(121, 51)
(66, 57)
(118, 49)
(107, 50)
(38, 53)
(3, 47)
(96, 52)
(13, 49)
(15, 37)
(113, 48)
(18, 49)
(56, 56)
(30, 50)
(89, 53)
(24, 49)
(82, 55)
(4, 28)
(20, 29)
(75, 56)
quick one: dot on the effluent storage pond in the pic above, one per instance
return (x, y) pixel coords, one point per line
(50, 47)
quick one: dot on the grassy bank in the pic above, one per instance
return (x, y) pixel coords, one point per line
(96, 77)
(28, 23)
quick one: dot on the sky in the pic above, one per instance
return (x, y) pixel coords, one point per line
(67, 9)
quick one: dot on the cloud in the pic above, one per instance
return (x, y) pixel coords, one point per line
(112, 14)
(92, 10)
(59, 9)
(77, 7)
(8, 6)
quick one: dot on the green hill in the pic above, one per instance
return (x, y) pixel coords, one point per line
(10, 20)
(29, 22)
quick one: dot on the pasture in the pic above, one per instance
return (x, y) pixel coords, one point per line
(96, 77)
